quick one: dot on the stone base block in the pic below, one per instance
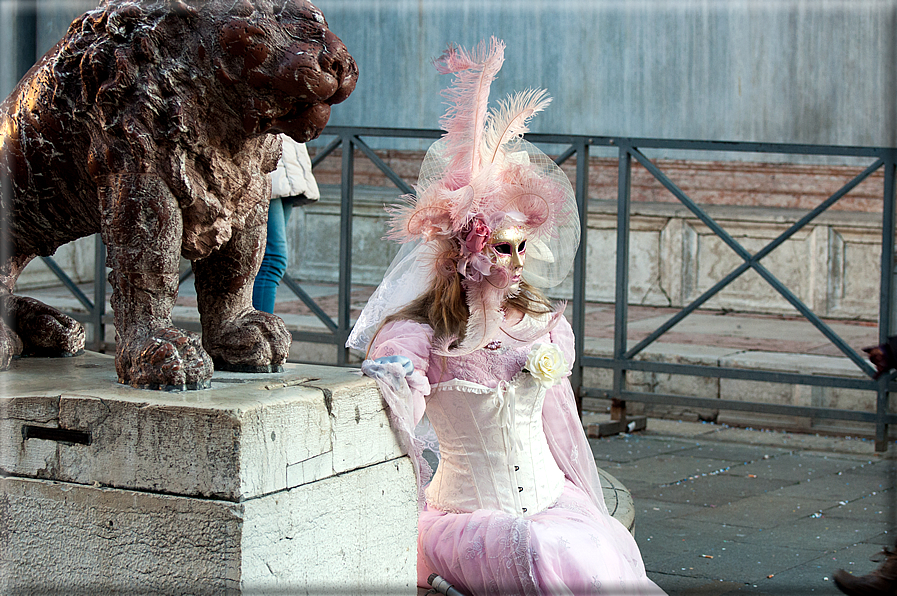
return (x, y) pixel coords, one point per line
(288, 483)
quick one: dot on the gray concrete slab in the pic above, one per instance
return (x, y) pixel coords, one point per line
(777, 512)
(858, 559)
(840, 487)
(822, 533)
(652, 514)
(628, 448)
(731, 560)
(765, 511)
(665, 469)
(794, 467)
(734, 453)
(717, 490)
(873, 506)
(694, 586)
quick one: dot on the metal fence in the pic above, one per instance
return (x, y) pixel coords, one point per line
(350, 141)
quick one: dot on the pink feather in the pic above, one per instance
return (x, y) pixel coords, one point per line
(511, 119)
(465, 120)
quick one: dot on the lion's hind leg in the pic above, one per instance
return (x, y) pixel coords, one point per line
(238, 337)
(42, 330)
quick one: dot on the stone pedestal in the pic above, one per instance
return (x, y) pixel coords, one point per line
(286, 483)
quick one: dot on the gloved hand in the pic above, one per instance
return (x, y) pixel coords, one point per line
(405, 361)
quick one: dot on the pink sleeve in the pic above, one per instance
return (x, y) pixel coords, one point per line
(404, 395)
(407, 338)
(404, 338)
(562, 336)
(563, 428)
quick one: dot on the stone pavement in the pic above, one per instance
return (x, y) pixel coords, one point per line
(724, 511)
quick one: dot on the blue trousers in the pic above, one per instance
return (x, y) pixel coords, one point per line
(274, 263)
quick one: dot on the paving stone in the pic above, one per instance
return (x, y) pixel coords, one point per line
(858, 559)
(883, 467)
(876, 507)
(731, 561)
(838, 487)
(763, 511)
(701, 532)
(717, 490)
(693, 586)
(793, 467)
(811, 578)
(669, 468)
(652, 515)
(885, 539)
(797, 441)
(822, 533)
(733, 452)
(629, 448)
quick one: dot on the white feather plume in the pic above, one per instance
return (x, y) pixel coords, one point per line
(511, 119)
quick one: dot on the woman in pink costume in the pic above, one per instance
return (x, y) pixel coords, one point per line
(459, 330)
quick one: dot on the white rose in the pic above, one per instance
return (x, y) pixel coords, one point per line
(547, 364)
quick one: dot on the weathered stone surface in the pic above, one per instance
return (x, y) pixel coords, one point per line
(618, 500)
(59, 538)
(287, 482)
(152, 123)
(247, 436)
(352, 534)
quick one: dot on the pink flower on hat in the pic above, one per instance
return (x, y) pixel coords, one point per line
(477, 236)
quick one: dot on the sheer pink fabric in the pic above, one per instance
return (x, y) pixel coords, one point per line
(572, 547)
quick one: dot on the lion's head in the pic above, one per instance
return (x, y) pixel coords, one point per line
(264, 66)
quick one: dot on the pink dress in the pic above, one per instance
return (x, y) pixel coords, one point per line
(515, 505)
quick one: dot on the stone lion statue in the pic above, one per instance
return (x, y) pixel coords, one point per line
(152, 122)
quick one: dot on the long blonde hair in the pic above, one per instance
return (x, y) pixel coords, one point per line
(444, 307)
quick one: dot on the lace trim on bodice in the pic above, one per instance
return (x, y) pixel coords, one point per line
(500, 364)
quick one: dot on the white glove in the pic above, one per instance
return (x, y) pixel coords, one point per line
(405, 361)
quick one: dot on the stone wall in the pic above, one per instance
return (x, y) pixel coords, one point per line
(793, 71)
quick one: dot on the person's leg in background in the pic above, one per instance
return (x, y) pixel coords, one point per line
(274, 263)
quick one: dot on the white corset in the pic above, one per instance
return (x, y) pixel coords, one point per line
(493, 451)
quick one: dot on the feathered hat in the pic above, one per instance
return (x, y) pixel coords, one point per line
(479, 177)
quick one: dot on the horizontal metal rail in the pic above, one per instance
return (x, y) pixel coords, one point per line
(353, 144)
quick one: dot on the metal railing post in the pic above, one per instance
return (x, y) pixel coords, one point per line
(621, 303)
(886, 322)
(347, 188)
(579, 267)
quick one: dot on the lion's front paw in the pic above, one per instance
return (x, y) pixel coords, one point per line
(255, 342)
(44, 330)
(169, 358)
